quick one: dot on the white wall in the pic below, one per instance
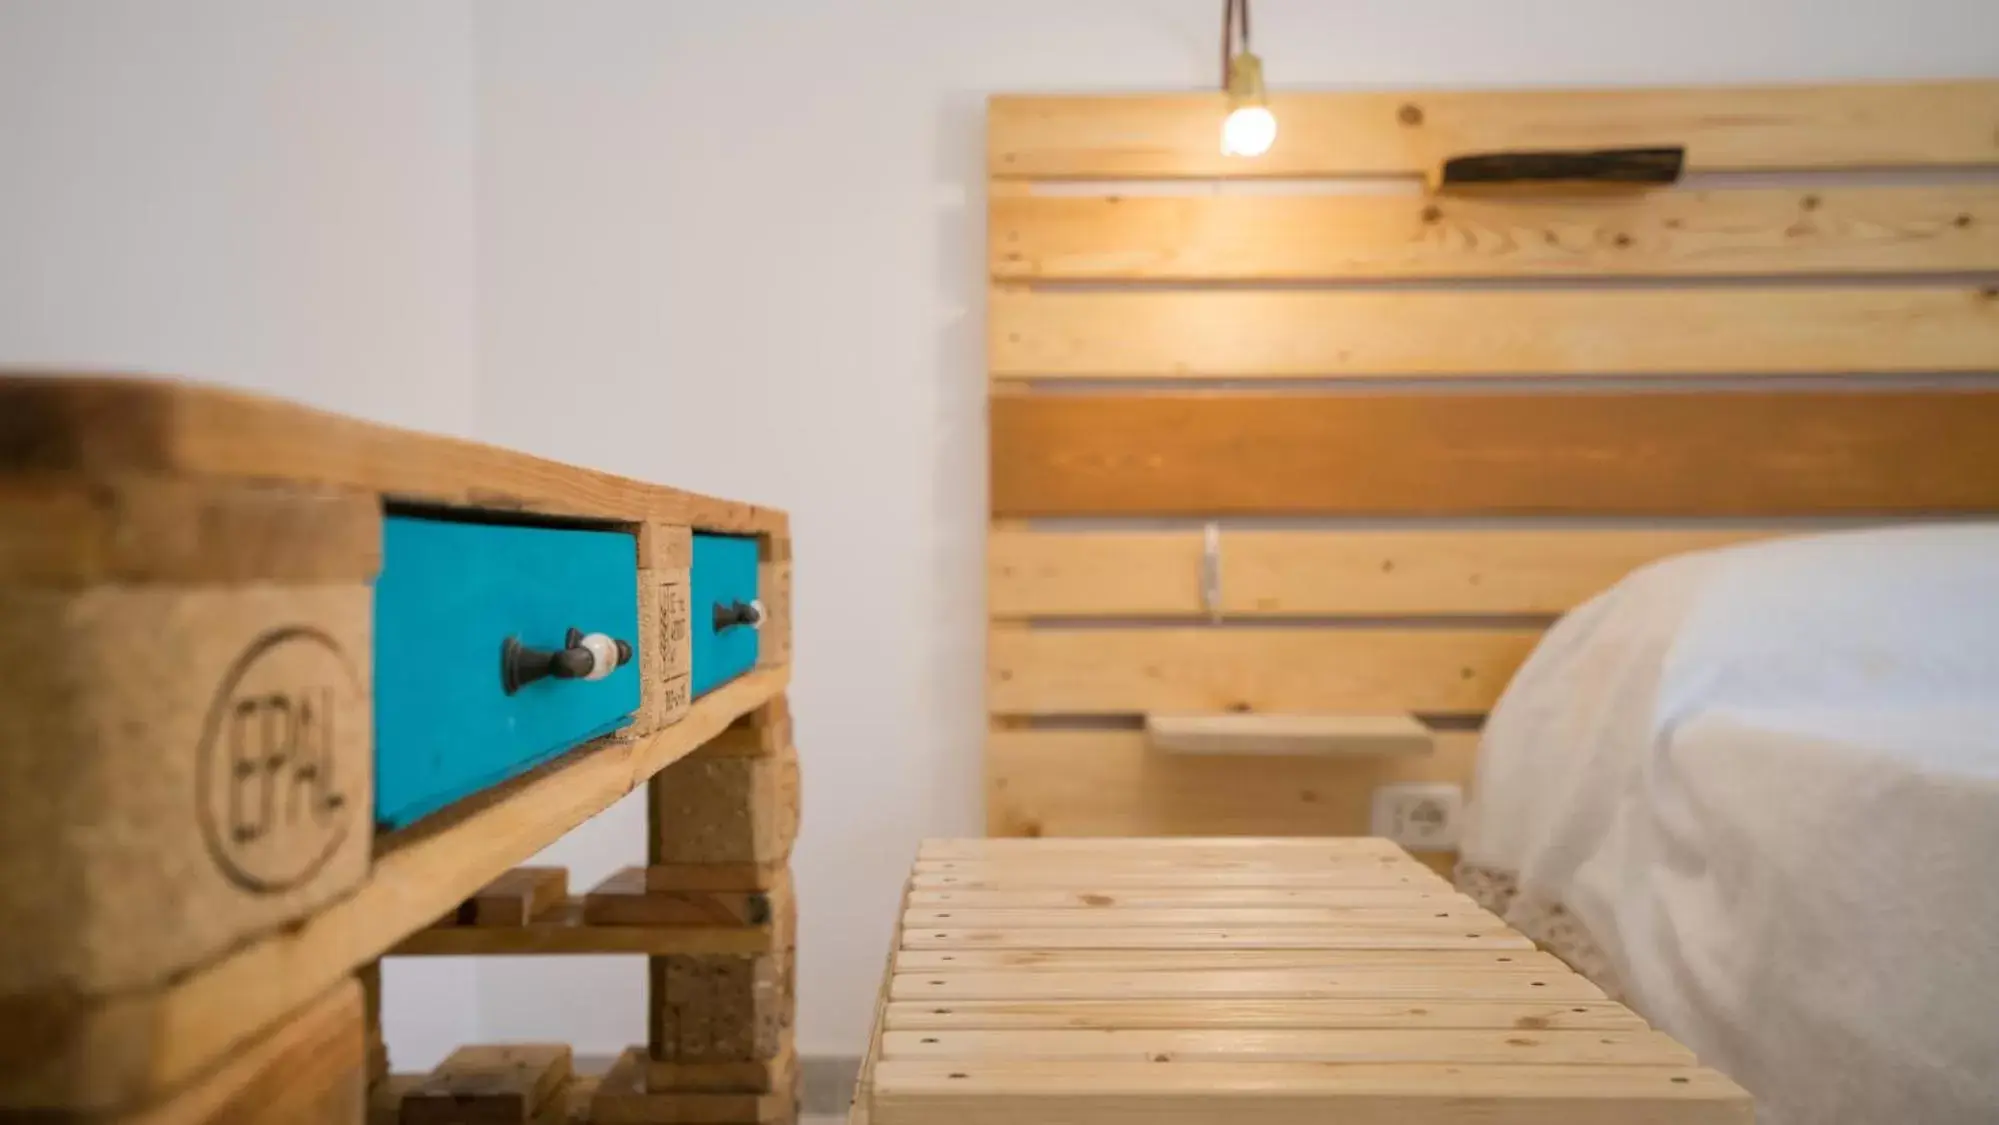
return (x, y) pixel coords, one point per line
(712, 214)
(731, 246)
(272, 195)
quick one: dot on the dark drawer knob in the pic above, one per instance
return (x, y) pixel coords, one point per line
(728, 615)
(583, 656)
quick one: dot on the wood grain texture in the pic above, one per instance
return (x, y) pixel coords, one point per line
(1421, 983)
(1107, 1015)
(1635, 1048)
(191, 763)
(1053, 574)
(567, 932)
(1289, 735)
(722, 1008)
(1387, 935)
(122, 1050)
(622, 1098)
(913, 961)
(95, 427)
(1110, 783)
(624, 899)
(490, 1085)
(1312, 334)
(67, 531)
(1736, 233)
(516, 898)
(309, 1071)
(744, 1076)
(990, 1092)
(1715, 454)
(1085, 671)
(1341, 134)
(727, 809)
(1135, 917)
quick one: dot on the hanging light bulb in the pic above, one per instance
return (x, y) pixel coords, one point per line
(1250, 128)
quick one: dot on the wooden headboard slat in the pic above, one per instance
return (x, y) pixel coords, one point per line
(1746, 232)
(1093, 671)
(1305, 573)
(1387, 133)
(1163, 334)
(1714, 454)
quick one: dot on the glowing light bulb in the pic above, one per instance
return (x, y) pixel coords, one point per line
(1248, 131)
(1250, 128)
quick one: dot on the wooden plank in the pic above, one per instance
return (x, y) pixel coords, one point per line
(1053, 574)
(1111, 783)
(623, 899)
(1388, 133)
(96, 427)
(716, 876)
(1170, 849)
(1203, 897)
(1729, 233)
(516, 898)
(726, 1076)
(490, 1085)
(1370, 1012)
(989, 1092)
(1181, 960)
(64, 531)
(1027, 865)
(1075, 877)
(385, 1098)
(1250, 735)
(1288, 1045)
(1003, 918)
(1481, 934)
(1085, 671)
(567, 931)
(309, 1071)
(1668, 453)
(1421, 983)
(123, 1049)
(1314, 334)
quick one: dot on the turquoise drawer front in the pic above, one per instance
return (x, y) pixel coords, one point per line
(449, 595)
(725, 578)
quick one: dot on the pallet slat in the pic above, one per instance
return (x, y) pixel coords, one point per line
(1420, 983)
(1104, 1015)
(1481, 935)
(1739, 233)
(1133, 671)
(1410, 133)
(1308, 334)
(1633, 1048)
(1715, 454)
(1053, 574)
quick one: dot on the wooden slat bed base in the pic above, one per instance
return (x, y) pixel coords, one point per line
(1663, 454)
(1303, 334)
(1053, 574)
(1451, 1031)
(1749, 232)
(1410, 133)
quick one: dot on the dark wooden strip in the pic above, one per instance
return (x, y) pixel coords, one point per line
(1714, 453)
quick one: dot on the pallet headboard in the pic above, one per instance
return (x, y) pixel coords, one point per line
(1294, 435)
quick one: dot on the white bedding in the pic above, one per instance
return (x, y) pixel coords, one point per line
(1765, 781)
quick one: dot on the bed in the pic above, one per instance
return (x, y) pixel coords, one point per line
(1755, 792)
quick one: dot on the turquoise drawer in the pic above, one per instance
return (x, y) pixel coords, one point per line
(450, 595)
(724, 594)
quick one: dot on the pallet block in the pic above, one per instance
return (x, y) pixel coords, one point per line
(623, 1098)
(726, 809)
(512, 1084)
(1445, 1030)
(709, 1008)
(727, 1076)
(626, 899)
(666, 556)
(516, 898)
(774, 583)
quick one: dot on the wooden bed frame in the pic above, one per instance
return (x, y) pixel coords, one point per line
(1346, 449)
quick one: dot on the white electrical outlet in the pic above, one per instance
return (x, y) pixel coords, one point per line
(1423, 816)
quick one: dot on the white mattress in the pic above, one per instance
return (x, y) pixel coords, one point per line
(1765, 781)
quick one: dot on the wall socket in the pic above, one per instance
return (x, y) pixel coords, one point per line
(1423, 816)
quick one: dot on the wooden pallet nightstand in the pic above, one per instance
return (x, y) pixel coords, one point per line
(290, 688)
